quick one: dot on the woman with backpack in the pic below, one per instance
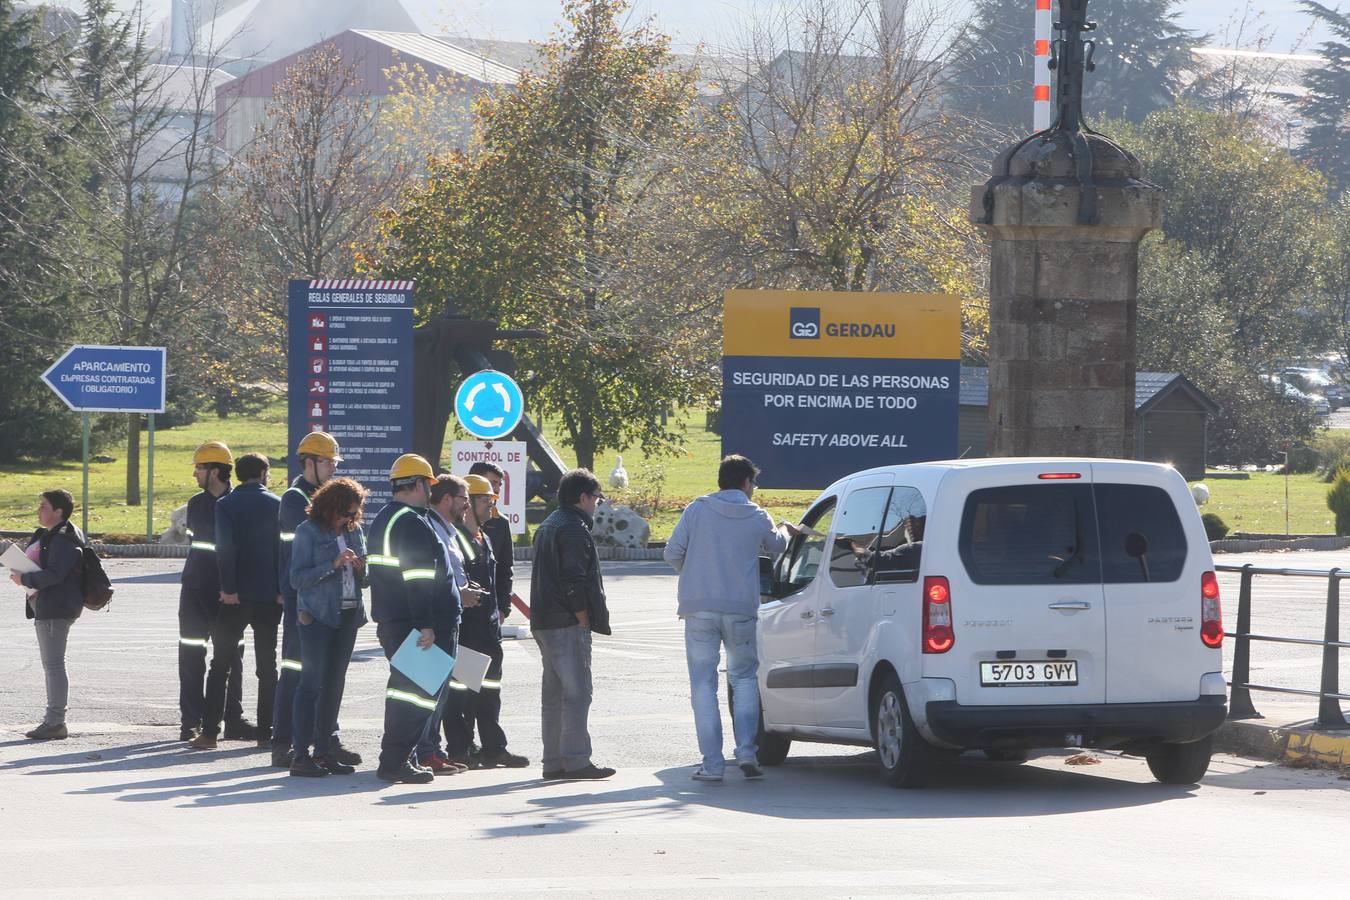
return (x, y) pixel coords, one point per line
(328, 568)
(58, 599)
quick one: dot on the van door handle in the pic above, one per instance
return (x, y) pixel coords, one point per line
(1071, 604)
(827, 611)
(809, 614)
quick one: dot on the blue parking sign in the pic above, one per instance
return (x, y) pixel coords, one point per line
(95, 378)
(489, 405)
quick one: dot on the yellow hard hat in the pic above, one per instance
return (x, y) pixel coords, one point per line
(478, 485)
(320, 444)
(410, 465)
(212, 452)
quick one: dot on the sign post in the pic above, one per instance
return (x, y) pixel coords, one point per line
(96, 378)
(819, 384)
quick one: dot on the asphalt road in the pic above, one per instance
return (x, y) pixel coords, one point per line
(123, 810)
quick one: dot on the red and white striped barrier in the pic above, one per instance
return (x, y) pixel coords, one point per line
(1040, 107)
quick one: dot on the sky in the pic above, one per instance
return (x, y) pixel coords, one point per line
(715, 23)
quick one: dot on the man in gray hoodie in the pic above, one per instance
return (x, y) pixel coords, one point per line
(715, 549)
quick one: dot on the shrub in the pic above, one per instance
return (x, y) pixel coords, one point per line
(1333, 451)
(1215, 528)
(1338, 500)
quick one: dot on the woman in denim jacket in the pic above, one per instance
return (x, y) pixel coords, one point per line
(328, 568)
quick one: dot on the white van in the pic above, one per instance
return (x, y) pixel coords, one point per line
(1001, 605)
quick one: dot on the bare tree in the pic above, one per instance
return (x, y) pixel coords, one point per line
(833, 160)
(135, 129)
(317, 171)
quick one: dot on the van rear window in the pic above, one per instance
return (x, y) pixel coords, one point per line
(1072, 534)
(1142, 537)
(1030, 534)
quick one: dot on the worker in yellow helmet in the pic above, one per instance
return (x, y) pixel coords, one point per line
(319, 459)
(212, 466)
(410, 590)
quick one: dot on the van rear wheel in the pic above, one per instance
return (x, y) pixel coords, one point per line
(1181, 763)
(906, 759)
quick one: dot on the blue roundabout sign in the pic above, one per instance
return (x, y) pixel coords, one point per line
(489, 405)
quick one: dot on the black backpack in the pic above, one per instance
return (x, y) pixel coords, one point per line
(94, 583)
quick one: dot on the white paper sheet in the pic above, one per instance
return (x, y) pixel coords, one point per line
(17, 560)
(470, 667)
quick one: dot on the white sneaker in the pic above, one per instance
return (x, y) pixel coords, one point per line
(700, 775)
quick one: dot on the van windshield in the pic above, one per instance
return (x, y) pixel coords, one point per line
(1031, 534)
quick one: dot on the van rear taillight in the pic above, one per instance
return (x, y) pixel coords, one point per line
(1058, 476)
(1211, 614)
(938, 636)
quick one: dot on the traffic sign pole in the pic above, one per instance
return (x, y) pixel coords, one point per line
(84, 497)
(150, 483)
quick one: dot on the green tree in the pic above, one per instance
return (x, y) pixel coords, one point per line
(1230, 290)
(1251, 212)
(543, 226)
(138, 129)
(1327, 105)
(1141, 57)
(37, 312)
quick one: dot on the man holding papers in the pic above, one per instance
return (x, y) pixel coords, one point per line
(409, 591)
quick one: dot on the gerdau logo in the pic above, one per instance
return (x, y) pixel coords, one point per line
(804, 322)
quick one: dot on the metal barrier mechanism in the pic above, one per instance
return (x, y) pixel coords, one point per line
(1329, 714)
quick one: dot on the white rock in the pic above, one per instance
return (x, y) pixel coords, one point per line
(1200, 491)
(619, 526)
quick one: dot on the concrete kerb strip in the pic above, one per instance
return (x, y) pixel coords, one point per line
(1287, 745)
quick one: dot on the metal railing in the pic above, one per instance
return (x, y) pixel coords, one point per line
(1329, 714)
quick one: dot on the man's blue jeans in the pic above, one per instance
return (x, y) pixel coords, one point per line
(704, 635)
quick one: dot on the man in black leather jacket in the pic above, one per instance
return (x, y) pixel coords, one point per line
(567, 603)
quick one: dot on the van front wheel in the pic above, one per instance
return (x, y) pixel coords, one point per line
(773, 747)
(906, 759)
(1181, 763)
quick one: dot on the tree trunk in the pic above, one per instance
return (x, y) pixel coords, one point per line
(134, 459)
(586, 442)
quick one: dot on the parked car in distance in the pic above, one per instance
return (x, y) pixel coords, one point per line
(999, 605)
(1285, 388)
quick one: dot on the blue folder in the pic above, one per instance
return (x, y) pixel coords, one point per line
(428, 668)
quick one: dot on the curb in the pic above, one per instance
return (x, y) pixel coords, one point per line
(1249, 545)
(1303, 745)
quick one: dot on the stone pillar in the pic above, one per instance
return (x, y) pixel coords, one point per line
(1064, 213)
(1063, 286)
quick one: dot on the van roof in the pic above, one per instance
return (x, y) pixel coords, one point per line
(933, 471)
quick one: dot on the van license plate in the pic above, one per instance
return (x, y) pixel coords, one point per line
(1029, 673)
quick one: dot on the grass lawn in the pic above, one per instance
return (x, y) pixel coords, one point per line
(665, 484)
(1257, 504)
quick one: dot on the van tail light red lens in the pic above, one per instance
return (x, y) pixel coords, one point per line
(1211, 613)
(1058, 476)
(938, 636)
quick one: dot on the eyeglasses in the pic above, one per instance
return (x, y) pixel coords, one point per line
(351, 515)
